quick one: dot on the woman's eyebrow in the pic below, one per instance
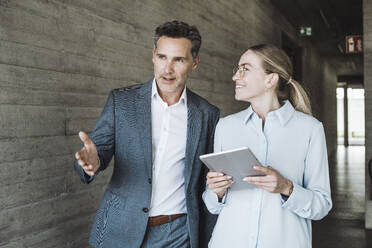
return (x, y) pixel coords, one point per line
(244, 64)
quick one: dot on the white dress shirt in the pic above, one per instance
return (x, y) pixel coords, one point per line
(292, 143)
(169, 127)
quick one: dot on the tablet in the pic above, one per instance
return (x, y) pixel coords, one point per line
(237, 163)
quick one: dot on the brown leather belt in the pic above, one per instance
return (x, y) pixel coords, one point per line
(162, 219)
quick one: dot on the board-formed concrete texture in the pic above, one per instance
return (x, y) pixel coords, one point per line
(58, 61)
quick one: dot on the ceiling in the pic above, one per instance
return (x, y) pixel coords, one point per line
(331, 21)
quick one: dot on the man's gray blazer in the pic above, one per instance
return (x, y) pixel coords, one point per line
(124, 131)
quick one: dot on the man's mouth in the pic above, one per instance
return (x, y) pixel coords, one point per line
(168, 79)
(237, 86)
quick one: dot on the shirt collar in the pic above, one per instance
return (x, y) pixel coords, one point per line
(155, 93)
(249, 115)
(284, 113)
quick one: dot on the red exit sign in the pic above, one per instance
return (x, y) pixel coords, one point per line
(354, 44)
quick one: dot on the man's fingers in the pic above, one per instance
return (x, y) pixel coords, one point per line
(90, 173)
(77, 155)
(88, 167)
(85, 138)
(81, 163)
(82, 155)
(82, 158)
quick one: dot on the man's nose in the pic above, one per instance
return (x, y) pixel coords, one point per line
(169, 67)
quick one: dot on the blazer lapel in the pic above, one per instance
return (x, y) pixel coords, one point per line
(143, 118)
(194, 127)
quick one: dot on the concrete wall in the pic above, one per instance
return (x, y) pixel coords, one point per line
(58, 61)
(367, 47)
(319, 80)
(329, 107)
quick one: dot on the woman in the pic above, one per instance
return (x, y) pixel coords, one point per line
(277, 209)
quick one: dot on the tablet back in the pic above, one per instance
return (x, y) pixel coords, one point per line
(237, 163)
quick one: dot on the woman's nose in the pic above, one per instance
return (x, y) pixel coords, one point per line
(234, 77)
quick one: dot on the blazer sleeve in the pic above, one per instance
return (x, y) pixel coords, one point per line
(103, 136)
(211, 130)
(207, 220)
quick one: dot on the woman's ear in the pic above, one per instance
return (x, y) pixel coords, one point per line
(272, 80)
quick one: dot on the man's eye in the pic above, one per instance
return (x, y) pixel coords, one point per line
(161, 56)
(179, 60)
(245, 69)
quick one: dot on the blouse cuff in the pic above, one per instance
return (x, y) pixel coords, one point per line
(299, 201)
(211, 201)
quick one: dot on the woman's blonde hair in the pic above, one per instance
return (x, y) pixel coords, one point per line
(275, 60)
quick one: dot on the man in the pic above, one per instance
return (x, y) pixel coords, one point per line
(156, 131)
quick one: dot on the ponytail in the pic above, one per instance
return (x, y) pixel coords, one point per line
(298, 97)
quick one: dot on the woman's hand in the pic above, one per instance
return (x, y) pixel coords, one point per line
(219, 183)
(273, 182)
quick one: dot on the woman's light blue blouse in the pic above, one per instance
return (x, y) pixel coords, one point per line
(294, 144)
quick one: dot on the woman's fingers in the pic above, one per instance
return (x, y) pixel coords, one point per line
(218, 182)
(218, 179)
(213, 174)
(221, 184)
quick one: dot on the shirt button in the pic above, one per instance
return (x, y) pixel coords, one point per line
(145, 210)
(149, 180)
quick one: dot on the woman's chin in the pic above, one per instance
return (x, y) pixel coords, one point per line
(241, 98)
(238, 97)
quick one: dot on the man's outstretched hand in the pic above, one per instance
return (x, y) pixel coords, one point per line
(87, 157)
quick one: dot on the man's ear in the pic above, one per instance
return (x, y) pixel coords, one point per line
(195, 62)
(272, 80)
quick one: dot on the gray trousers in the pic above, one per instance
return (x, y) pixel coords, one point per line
(173, 234)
